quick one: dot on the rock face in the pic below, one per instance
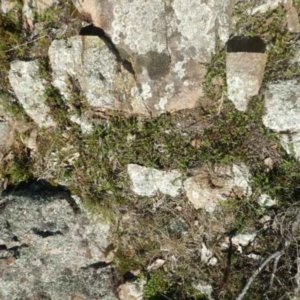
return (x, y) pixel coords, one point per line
(149, 181)
(206, 189)
(282, 104)
(168, 57)
(101, 78)
(49, 251)
(244, 73)
(30, 90)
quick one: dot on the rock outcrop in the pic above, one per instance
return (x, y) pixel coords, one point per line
(169, 58)
(48, 250)
(102, 79)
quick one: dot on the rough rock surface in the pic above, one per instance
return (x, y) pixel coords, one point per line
(7, 5)
(150, 181)
(6, 136)
(131, 290)
(244, 73)
(30, 90)
(282, 106)
(293, 20)
(49, 251)
(101, 78)
(168, 56)
(206, 189)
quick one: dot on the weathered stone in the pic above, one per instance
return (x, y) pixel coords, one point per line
(282, 113)
(167, 43)
(131, 290)
(204, 288)
(244, 73)
(6, 136)
(243, 240)
(57, 252)
(30, 90)
(7, 5)
(149, 181)
(265, 200)
(262, 6)
(207, 256)
(292, 20)
(206, 189)
(102, 79)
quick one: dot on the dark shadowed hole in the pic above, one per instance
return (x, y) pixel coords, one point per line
(246, 44)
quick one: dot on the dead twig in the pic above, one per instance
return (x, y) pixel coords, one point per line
(24, 44)
(275, 255)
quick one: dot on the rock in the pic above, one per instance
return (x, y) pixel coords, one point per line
(7, 5)
(102, 80)
(254, 256)
(292, 20)
(243, 240)
(30, 90)
(282, 113)
(207, 256)
(150, 181)
(6, 137)
(262, 6)
(167, 43)
(244, 73)
(204, 288)
(206, 189)
(156, 265)
(269, 163)
(265, 200)
(131, 290)
(57, 252)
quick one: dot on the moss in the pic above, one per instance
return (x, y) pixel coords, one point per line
(156, 285)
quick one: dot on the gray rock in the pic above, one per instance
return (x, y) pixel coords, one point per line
(209, 187)
(102, 79)
(244, 73)
(167, 43)
(30, 89)
(52, 252)
(150, 181)
(282, 113)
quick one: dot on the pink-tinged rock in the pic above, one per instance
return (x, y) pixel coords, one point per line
(244, 71)
(292, 20)
(168, 43)
(209, 187)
